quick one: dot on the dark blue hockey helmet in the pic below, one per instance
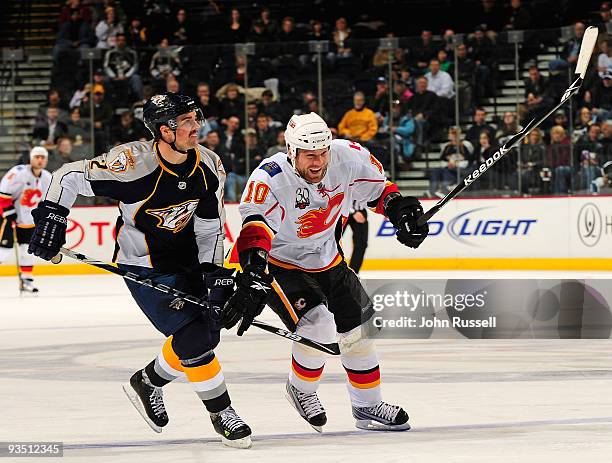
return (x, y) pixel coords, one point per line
(163, 109)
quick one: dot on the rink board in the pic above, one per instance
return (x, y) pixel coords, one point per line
(468, 234)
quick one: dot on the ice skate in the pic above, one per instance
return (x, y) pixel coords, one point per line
(233, 431)
(381, 417)
(308, 406)
(148, 400)
(26, 285)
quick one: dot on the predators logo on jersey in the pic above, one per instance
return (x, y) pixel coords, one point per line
(175, 218)
(319, 220)
(123, 162)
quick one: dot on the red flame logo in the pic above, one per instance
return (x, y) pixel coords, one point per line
(319, 220)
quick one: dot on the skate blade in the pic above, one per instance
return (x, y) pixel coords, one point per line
(242, 443)
(319, 429)
(370, 425)
(129, 392)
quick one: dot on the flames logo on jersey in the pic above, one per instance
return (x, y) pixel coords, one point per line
(122, 162)
(319, 220)
(31, 197)
(175, 218)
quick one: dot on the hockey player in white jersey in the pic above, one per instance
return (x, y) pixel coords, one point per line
(293, 209)
(21, 189)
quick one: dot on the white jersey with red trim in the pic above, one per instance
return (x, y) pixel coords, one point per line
(25, 190)
(303, 220)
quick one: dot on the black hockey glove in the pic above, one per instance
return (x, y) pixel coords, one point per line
(403, 212)
(219, 282)
(254, 285)
(50, 232)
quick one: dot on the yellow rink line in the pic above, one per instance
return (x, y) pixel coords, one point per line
(593, 264)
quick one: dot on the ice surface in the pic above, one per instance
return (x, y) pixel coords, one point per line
(65, 354)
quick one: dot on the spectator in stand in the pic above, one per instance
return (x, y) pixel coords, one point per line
(572, 48)
(213, 143)
(589, 142)
(103, 115)
(406, 76)
(426, 111)
(49, 128)
(484, 149)
(172, 85)
(604, 59)
(606, 141)
(121, 67)
(78, 128)
(137, 34)
(535, 106)
(604, 18)
(424, 51)
(72, 35)
(231, 103)
(535, 83)
(455, 155)
(208, 104)
(479, 125)
(269, 24)
(62, 154)
(256, 152)
(341, 36)
(54, 100)
(508, 128)
(270, 107)
(401, 90)
(601, 97)
(317, 32)
(280, 146)
(108, 29)
(287, 32)
(467, 80)
(258, 33)
(266, 135)
(251, 113)
(69, 7)
(441, 83)
(313, 107)
(560, 118)
(236, 31)
(181, 33)
(380, 101)
(445, 64)
(489, 16)
(518, 16)
(558, 159)
(128, 129)
(403, 129)
(482, 51)
(164, 62)
(358, 124)
(533, 158)
(582, 123)
(234, 145)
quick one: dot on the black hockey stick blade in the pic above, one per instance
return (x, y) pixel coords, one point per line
(586, 49)
(332, 349)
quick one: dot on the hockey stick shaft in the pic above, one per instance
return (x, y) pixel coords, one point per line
(586, 49)
(331, 348)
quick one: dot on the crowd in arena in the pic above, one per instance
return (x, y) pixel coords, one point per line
(153, 48)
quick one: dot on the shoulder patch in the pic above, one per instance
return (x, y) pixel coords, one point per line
(122, 162)
(272, 168)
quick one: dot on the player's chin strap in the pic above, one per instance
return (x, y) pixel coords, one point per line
(172, 145)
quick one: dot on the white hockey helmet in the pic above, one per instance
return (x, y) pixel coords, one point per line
(38, 151)
(307, 132)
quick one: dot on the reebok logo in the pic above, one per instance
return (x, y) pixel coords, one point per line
(224, 282)
(485, 166)
(57, 218)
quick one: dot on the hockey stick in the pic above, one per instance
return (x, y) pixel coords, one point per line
(17, 263)
(586, 49)
(331, 348)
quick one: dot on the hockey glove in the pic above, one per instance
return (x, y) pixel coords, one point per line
(254, 285)
(50, 232)
(403, 212)
(219, 284)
